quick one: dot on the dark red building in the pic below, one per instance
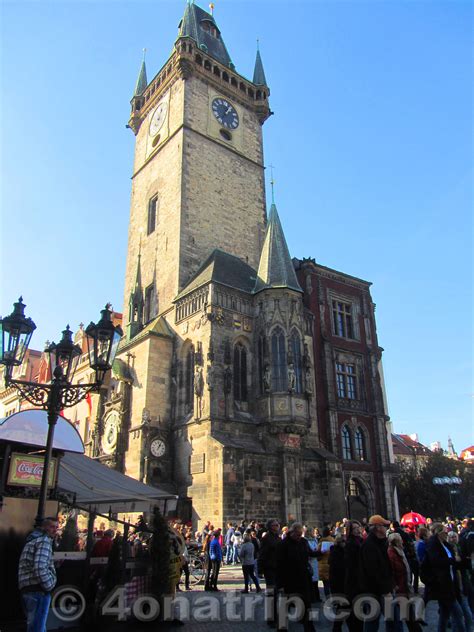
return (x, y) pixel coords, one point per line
(350, 395)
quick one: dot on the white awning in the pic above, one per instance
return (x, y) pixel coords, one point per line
(31, 428)
(89, 484)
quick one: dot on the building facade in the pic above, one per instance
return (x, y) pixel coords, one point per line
(226, 388)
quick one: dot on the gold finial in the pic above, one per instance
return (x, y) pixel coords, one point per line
(211, 6)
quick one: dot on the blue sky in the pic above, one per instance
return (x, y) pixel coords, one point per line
(371, 142)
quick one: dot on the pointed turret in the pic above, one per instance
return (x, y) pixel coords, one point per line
(258, 73)
(202, 28)
(142, 81)
(136, 303)
(275, 268)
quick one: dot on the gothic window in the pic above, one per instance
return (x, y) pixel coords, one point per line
(240, 373)
(346, 443)
(354, 488)
(149, 311)
(359, 445)
(297, 361)
(342, 319)
(279, 366)
(262, 352)
(346, 380)
(189, 380)
(152, 207)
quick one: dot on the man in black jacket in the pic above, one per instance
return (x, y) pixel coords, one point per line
(376, 571)
(441, 577)
(267, 561)
(293, 575)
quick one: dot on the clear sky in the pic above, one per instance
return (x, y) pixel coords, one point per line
(372, 143)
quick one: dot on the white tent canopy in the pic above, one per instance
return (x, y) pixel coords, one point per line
(96, 487)
(31, 428)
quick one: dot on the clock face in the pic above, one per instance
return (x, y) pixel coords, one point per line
(158, 118)
(225, 113)
(157, 447)
(109, 438)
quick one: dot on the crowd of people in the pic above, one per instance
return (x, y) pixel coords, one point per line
(349, 559)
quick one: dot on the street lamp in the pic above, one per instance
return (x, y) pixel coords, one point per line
(448, 481)
(15, 335)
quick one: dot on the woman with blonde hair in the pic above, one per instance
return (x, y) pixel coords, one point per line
(402, 578)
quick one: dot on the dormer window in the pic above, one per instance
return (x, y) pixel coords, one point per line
(210, 28)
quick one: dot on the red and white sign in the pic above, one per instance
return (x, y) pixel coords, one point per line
(290, 440)
(27, 470)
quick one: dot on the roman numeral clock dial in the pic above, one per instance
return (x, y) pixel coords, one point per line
(225, 113)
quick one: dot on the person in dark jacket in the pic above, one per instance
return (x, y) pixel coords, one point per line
(352, 587)
(267, 562)
(337, 573)
(376, 571)
(441, 578)
(293, 575)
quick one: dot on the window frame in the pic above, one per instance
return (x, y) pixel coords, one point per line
(346, 443)
(346, 381)
(240, 371)
(343, 318)
(152, 215)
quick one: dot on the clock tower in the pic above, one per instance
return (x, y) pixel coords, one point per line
(198, 174)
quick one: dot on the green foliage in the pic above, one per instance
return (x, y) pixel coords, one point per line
(160, 555)
(416, 491)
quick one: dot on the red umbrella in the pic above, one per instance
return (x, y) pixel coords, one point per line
(412, 519)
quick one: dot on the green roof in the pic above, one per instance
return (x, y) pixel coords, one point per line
(142, 81)
(197, 24)
(258, 73)
(276, 267)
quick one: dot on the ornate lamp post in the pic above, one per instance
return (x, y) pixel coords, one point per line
(449, 481)
(15, 335)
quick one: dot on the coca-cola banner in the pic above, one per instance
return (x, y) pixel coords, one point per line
(27, 470)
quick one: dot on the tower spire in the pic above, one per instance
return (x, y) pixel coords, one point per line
(142, 81)
(276, 267)
(259, 78)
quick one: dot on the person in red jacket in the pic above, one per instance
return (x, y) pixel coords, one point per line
(402, 578)
(102, 547)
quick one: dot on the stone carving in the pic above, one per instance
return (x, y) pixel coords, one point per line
(198, 382)
(267, 378)
(291, 377)
(210, 377)
(227, 380)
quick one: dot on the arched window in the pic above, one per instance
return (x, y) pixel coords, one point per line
(279, 367)
(262, 353)
(346, 443)
(240, 373)
(359, 445)
(189, 380)
(297, 361)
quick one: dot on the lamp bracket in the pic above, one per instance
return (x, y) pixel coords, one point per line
(42, 395)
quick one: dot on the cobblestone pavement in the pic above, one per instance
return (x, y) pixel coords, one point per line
(247, 611)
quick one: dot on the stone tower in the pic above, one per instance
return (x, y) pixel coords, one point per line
(214, 394)
(198, 175)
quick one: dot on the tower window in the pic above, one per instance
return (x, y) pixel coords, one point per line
(152, 208)
(150, 311)
(346, 380)
(240, 373)
(342, 319)
(359, 444)
(346, 443)
(279, 368)
(262, 353)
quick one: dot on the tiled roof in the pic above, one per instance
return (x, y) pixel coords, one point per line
(405, 445)
(142, 81)
(225, 269)
(276, 267)
(258, 73)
